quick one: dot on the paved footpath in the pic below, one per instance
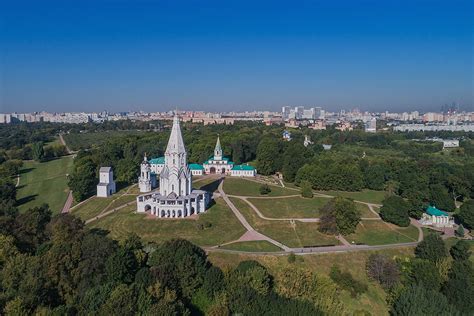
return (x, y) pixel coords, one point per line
(67, 205)
(252, 234)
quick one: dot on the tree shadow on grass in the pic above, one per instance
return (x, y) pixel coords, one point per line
(26, 170)
(211, 187)
(26, 199)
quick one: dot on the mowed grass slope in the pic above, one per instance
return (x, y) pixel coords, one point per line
(380, 233)
(291, 207)
(368, 196)
(295, 234)
(252, 246)
(244, 187)
(44, 182)
(224, 226)
(96, 205)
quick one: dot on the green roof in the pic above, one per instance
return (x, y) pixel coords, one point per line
(432, 210)
(195, 166)
(243, 167)
(158, 161)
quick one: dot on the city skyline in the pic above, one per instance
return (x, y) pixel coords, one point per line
(153, 56)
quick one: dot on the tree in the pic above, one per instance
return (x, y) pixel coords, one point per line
(38, 151)
(268, 156)
(425, 273)
(341, 213)
(460, 250)
(120, 302)
(374, 176)
(383, 269)
(417, 300)
(265, 189)
(439, 196)
(294, 157)
(395, 210)
(432, 248)
(466, 214)
(83, 179)
(459, 289)
(460, 231)
(306, 189)
(7, 190)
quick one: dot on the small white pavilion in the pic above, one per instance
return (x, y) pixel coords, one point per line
(106, 186)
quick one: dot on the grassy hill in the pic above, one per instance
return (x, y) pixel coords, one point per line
(44, 182)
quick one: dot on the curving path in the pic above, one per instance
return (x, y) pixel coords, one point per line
(252, 234)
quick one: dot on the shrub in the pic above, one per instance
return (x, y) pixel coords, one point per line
(306, 189)
(383, 270)
(291, 258)
(347, 282)
(265, 189)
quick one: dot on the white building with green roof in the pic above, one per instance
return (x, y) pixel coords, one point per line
(218, 164)
(436, 218)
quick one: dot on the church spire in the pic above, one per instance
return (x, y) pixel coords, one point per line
(218, 149)
(175, 143)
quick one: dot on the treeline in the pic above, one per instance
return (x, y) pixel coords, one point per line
(56, 266)
(435, 282)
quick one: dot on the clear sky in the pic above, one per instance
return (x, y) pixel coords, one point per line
(222, 55)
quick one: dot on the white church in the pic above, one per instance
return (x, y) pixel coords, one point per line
(175, 197)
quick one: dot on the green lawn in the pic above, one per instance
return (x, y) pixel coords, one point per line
(253, 246)
(369, 196)
(244, 187)
(224, 226)
(44, 182)
(293, 207)
(381, 233)
(292, 235)
(365, 211)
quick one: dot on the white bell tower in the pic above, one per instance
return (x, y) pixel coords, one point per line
(144, 181)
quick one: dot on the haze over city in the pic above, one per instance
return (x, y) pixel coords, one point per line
(235, 55)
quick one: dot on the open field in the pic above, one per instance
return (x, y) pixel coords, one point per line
(292, 207)
(354, 262)
(381, 233)
(224, 226)
(243, 187)
(369, 196)
(76, 141)
(252, 246)
(44, 182)
(292, 235)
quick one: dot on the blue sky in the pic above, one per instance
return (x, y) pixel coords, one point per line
(242, 55)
